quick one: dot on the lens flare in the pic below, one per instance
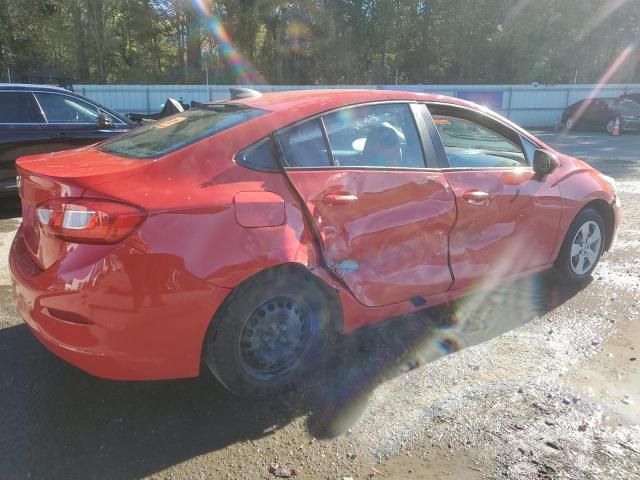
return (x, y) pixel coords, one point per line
(203, 7)
(244, 72)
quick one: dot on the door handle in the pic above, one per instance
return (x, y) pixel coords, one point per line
(476, 197)
(339, 198)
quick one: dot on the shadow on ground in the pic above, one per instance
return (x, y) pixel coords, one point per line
(9, 208)
(58, 422)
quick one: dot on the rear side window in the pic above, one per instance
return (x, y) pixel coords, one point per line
(19, 107)
(178, 131)
(375, 136)
(303, 145)
(60, 108)
(260, 156)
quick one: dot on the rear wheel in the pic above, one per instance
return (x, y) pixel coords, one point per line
(264, 336)
(582, 247)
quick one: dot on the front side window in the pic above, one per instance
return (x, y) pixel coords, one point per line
(66, 109)
(178, 131)
(471, 145)
(374, 136)
(19, 107)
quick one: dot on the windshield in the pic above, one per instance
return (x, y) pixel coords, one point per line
(178, 131)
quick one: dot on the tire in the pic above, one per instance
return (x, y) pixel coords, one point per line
(570, 124)
(268, 331)
(611, 124)
(582, 247)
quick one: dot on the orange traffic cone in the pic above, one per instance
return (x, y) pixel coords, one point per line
(616, 128)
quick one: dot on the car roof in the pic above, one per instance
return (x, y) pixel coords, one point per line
(317, 101)
(297, 105)
(595, 99)
(32, 86)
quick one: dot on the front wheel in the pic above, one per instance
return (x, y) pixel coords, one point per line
(582, 247)
(570, 124)
(267, 332)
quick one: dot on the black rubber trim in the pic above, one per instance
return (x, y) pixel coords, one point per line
(432, 148)
(327, 143)
(241, 157)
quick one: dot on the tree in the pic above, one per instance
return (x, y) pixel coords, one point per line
(322, 41)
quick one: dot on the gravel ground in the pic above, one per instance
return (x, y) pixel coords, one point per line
(528, 381)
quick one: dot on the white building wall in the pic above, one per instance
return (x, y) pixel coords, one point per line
(526, 105)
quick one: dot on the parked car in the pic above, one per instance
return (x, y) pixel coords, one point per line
(247, 234)
(43, 119)
(602, 113)
(171, 106)
(634, 96)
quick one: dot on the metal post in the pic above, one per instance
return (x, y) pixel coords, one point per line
(509, 104)
(148, 100)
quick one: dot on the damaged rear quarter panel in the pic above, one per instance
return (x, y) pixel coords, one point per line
(192, 214)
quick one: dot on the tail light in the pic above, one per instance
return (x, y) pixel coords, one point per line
(80, 220)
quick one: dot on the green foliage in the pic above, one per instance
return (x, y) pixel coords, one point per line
(321, 41)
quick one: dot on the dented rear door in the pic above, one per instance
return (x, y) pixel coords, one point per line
(383, 229)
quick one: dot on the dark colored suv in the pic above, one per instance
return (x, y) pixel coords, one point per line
(40, 119)
(602, 113)
(635, 96)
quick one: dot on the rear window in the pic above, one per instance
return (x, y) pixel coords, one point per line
(177, 131)
(19, 107)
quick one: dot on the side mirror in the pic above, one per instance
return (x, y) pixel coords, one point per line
(104, 122)
(544, 162)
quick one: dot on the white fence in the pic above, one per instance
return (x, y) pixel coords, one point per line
(526, 105)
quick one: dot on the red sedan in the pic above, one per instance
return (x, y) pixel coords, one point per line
(244, 235)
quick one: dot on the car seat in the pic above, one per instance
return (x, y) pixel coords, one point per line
(382, 147)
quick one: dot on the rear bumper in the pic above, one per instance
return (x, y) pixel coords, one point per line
(115, 312)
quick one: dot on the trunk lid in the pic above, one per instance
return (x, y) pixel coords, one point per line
(62, 175)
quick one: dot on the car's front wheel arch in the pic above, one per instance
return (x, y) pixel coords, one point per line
(606, 211)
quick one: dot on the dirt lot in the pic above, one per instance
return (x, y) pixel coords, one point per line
(545, 385)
